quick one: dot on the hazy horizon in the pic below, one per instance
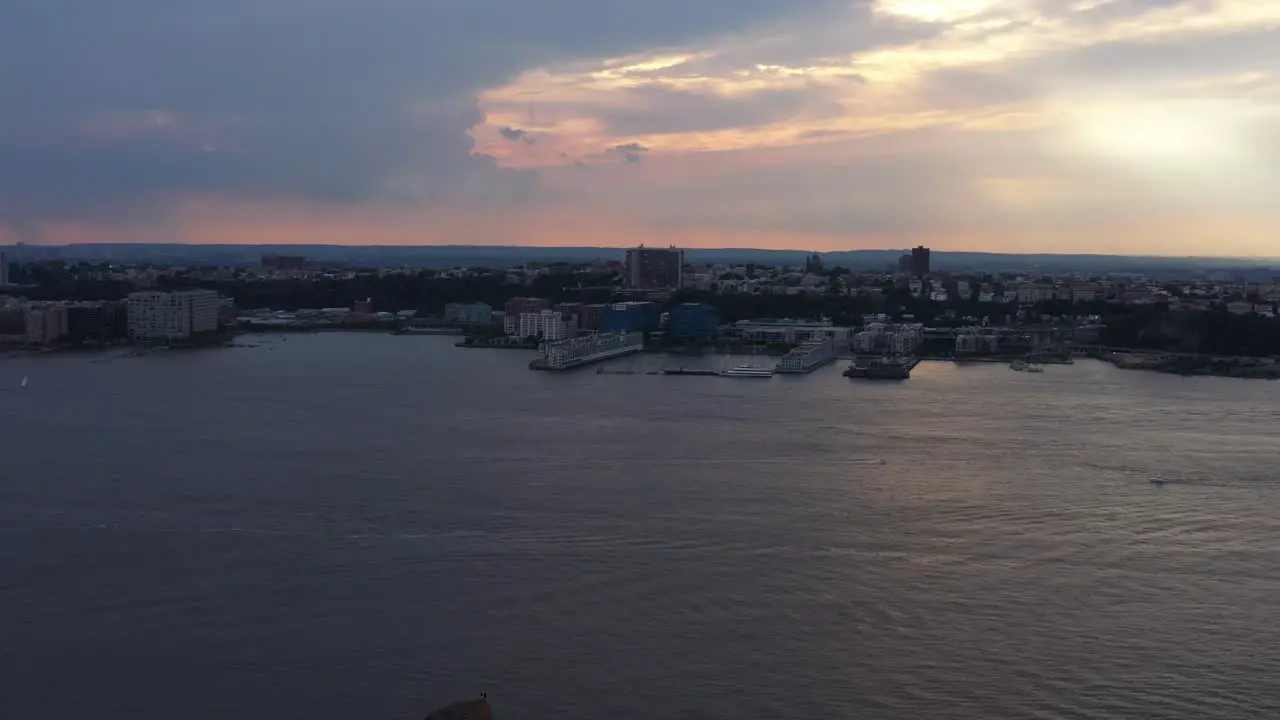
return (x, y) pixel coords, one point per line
(479, 254)
(1116, 127)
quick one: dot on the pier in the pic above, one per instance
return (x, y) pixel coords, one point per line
(689, 371)
(808, 357)
(576, 352)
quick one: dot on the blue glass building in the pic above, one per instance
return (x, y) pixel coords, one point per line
(693, 321)
(630, 317)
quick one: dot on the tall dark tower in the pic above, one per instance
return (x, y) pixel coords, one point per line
(920, 260)
(654, 268)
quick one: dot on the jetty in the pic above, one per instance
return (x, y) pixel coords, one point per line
(576, 352)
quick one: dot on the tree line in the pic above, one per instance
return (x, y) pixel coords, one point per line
(1213, 331)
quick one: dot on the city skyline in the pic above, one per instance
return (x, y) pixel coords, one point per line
(1134, 127)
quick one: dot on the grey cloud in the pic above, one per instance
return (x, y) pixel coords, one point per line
(517, 135)
(1103, 14)
(659, 110)
(815, 37)
(630, 152)
(938, 181)
(963, 88)
(1256, 49)
(343, 99)
(827, 134)
(1158, 67)
(863, 195)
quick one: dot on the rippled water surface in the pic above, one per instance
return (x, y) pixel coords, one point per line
(364, 526)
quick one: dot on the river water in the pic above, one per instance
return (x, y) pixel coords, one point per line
(366, 526)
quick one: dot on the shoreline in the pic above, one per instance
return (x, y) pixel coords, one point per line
(1237, 367)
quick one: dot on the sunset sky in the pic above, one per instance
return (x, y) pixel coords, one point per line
(1112, 126)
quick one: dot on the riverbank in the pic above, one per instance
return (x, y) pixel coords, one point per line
(1190, 365)
(999, 359)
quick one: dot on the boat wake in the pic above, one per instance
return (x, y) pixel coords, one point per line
(1206, 482)
(780, 461)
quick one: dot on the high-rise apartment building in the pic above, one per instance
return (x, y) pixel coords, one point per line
(589, 319)
(515, 307)
(92, 322)
(45, 324)
(161, 315)
(920, 260)
(548, 325)
(654, 268)
(4, 269)
(204, 309)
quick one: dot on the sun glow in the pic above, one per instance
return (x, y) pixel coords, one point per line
(939, 11)
(1158, 134)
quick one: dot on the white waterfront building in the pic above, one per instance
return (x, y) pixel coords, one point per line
(170, 315)
(904, 342)
(810, 355)
(865, 341)
(569, 353)
(789, 332)
(548, 325)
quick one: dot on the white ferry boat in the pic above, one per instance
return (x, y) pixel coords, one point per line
(747, 371)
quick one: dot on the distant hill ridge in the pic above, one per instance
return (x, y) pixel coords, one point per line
(436, 256)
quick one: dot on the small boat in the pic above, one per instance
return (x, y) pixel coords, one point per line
(1156, 481)
(1019, 365)
(1033, 368)
(24, 382)
(747, 371)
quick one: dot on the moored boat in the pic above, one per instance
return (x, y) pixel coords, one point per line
(747, 371)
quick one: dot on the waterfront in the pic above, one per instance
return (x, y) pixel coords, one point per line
(363, 525)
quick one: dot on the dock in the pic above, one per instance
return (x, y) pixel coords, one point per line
(882, 368)
(808, 357)
(688, 371)
(577, 352)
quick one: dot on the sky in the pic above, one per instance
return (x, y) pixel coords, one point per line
(1092, 126)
